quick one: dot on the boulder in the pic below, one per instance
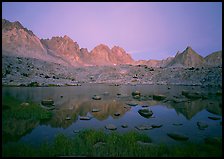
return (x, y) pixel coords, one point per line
(24, 104)
(68, 118)
(176, 136)
(147, 113)
(191, 95)
(132, 104)
(111, 127)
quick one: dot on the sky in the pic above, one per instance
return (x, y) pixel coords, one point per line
(146, 30)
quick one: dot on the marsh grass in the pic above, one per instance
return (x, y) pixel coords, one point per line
(115, 145)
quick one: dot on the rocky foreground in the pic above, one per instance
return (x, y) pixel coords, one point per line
(20, 71)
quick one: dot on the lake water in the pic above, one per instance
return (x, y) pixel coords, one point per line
(77, 101)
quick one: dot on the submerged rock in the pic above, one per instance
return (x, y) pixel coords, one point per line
(143, 127)
(156, 126)
(176, 136)
(202, 125)
(124, 125)
(145, 113)
(111, 127)
(177, 124)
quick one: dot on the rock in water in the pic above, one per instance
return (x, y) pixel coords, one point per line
(47, 102)
(177, 136)
(111, 127)
(136, 93)
(117, 114)
(84, 118)
(145, 113)
(214, 118)
(95, 110)
(202, 125)
(143, 127)
(156, 126)
(124, 125)
(95, 97)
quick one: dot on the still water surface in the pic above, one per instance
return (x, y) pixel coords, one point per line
(77, 101)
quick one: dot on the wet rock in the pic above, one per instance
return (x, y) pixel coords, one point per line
(124, 125)
(136, 97)
(202, 125)
(158, 97)
(84, 118)
(176, 136)
(96, 97)
(214, 118)
(117, 114)
(136, 93)
(144, 127)
(61, 96)
(156, 126)
(95, 110)
(147, 113)
(177, 124)
(111, 127)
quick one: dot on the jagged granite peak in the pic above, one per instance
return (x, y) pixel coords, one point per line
(7, 26)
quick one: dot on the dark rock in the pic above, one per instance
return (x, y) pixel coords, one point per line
(117, 114)
(145, 113)
(124, 125)
(132, 104)
(156, 126)
(214, 118)
(176, 136)
(111, 127)
(135, 93)
(84, 118)
(68, 118)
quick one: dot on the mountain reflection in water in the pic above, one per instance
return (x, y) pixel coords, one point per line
(77, 101)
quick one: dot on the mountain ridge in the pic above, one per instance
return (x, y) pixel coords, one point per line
(19, 41)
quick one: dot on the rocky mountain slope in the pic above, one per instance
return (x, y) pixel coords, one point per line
(214, 59)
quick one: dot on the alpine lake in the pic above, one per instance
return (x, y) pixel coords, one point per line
(179, 114)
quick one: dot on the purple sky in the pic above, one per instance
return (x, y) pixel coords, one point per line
(146, 30)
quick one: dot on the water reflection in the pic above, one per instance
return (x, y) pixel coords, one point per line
(77, 101)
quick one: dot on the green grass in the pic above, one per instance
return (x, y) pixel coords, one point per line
(116, 145)
(18, 120)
